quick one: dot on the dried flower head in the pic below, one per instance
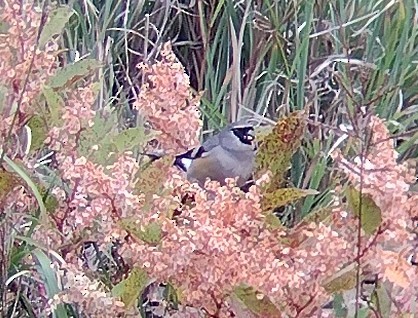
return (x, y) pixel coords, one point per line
(89, 295)
(168, 103)
(377, 174)
(24, 67)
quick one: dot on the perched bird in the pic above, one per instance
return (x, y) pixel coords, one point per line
(228, 154)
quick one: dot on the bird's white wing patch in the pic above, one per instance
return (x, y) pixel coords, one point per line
(186, 162)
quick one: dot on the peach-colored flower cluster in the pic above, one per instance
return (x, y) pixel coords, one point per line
(18, 200)
(24, 68)
(100, 197)
(21, 59)
(89, 295)
(217, 240)
(221, 241)
(92, 189)
(77, 115)
(168, 103)
(378, 174)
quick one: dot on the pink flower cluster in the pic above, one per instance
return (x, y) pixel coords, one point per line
(378, 174)
(167, 102)
(24, 67)
(219, 238)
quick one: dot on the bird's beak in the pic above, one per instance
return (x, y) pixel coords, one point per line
(254, 143)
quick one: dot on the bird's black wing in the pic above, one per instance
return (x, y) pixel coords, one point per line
(184, 160)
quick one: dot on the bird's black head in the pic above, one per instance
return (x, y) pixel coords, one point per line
(245, 134)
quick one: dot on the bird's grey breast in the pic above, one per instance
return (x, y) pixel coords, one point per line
(235, 164)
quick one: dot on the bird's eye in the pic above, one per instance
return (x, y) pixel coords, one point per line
(244, 134)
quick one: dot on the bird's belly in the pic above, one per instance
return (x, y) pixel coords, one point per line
(233, 168)
(218, 170)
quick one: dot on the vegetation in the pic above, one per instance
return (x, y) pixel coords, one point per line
(89, 227)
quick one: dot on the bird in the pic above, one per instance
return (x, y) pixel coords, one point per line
(228, 154)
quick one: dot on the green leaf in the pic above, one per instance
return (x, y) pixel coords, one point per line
(256, 302)
(381, 298)
(132, 287)
(50, 280)
(39, 131)
(282, 197)
(3, 94)
(150, 233)
(339, 307)
(151, 178)
(55, 105)
(8, 181)
(278, 146)
(4, 27)
(71, 73)
(57, 20)
(128, 139)
(344, 279)
(273, 222)
(171, 294)
(363, 313)
(274, 154)
(99, 135)
(320, 215)
(107, 141)
(51, 202)
(371, 216)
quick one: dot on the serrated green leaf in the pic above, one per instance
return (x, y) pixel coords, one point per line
(132, 287)
(371, 216)
(150, 233)
(57, 19)
(55, 105)
(71, 73)
(282, 197)
(256, 302)
(39, 132)
(278, 146)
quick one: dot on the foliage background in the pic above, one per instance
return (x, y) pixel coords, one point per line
(333, 59)
(248, 57)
